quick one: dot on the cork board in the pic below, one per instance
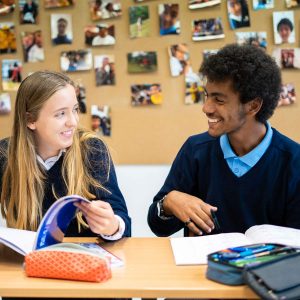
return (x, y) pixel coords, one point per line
(152, 134)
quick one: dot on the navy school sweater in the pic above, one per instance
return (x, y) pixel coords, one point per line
(269, 193)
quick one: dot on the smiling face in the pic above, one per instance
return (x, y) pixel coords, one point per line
(225, 113)
(284, 32)
(56, 123)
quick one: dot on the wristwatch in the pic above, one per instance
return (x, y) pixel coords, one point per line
(161, 210)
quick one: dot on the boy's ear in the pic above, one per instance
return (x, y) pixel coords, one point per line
(254, 106)
(30, 123)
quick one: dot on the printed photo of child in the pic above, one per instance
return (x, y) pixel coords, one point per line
(283, 24)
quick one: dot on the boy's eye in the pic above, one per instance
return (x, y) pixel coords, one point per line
(219, 100)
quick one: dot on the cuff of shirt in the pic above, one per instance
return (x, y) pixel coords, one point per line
(118, 234)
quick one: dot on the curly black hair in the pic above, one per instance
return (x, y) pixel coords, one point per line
(253, 73)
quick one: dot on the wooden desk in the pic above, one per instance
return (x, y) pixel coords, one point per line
(149, 272)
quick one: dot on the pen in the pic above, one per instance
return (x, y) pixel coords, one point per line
(248, 252)
(259, 256)
(243, 248)
(215, 220)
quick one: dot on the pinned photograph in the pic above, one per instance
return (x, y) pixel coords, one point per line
(5, 106)
(207, 29)
(146, 94)
(238, 13)
(195, 4)
(76, 60)
(263, 4)
(80, 95)
(168, 19)
(8, 42)
(284, 27)
(292, 3)
(105, 69)
(287, 58)
(179, 59)
(142, 62)
(11, 74)
(32, 43)
(58, 3)
(29, 11)
(258, 39)
(100, 35)
(139, 21)
(105, 9)
(7, 7)
(194, 92)
(61, 29)
(101, 120)
(287, 95)
(180, 62)
(207, 53)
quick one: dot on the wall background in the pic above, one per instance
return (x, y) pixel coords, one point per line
(149, 135)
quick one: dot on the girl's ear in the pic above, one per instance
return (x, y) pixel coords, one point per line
(30, 123)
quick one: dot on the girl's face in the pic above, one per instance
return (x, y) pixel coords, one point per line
(55, 126)
(284, 32)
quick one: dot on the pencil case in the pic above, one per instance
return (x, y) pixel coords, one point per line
(67, 261)
(227, 271)
(276, 279)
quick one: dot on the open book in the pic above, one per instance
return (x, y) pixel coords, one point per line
(51, 231)
(194, 250)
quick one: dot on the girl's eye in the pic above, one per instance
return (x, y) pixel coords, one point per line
(60, 114)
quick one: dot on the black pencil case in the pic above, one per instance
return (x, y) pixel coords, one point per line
(276, 279)
(223, 271)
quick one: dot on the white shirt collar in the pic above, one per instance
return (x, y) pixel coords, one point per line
(48, 163)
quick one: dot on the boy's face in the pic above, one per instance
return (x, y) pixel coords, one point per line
(222, 106)
(284, 32)
(61, 27)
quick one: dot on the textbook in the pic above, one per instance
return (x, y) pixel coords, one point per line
(194, 250)
(51, 231)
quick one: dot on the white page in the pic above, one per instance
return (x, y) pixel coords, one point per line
(19, 240)
(194, 250)
(274, 234)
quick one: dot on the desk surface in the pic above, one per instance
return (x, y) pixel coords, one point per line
(149, 272)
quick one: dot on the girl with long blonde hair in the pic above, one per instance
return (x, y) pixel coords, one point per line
(48, 156)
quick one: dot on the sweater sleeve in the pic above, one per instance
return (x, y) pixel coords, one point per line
(180, 178)
(292, 218)
(102, 169)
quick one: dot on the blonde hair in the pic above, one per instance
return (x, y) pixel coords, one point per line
(23, 179)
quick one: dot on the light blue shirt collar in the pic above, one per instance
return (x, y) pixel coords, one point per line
(254, 155)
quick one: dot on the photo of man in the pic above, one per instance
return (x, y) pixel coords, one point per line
(61, 29)
(105, 70)
(105, 35)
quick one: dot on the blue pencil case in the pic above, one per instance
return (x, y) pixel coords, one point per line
(226, 266)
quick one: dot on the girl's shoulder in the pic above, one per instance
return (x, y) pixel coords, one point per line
(93, 146)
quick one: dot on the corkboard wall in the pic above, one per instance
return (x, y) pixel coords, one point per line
(150, 135)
